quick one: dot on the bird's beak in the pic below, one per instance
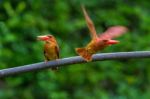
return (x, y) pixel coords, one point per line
(111, 42)
(42, 38)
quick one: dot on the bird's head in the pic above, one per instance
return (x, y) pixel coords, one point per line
(110, 42)
(46, 38)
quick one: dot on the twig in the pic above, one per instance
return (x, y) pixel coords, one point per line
(73, 60)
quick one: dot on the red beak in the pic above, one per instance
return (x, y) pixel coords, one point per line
(111, 42)
(42, 38)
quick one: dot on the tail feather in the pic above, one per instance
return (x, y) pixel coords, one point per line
(84, 53)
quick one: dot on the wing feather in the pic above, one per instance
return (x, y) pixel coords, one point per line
(90, 24)
(113, 32)
(57, 51)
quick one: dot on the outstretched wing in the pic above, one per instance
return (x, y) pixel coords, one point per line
(89, 24)
(113, 32)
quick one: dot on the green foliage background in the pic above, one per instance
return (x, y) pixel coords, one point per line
(22, 20)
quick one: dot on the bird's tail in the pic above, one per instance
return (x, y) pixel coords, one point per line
(84, 53)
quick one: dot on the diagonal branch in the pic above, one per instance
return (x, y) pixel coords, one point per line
(73, 60)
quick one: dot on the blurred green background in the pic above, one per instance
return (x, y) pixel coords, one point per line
(22, 20)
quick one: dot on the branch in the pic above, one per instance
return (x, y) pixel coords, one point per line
(73, 60)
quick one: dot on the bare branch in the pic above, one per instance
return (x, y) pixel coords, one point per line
(73, 60)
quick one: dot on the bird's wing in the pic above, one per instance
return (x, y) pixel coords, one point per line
(57, 51)
(90, 24)
(113, 32)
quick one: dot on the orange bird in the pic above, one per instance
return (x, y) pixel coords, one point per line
(51, 48)
(99, 42)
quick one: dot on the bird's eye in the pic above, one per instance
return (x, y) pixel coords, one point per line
(105, 40)
(50, 36)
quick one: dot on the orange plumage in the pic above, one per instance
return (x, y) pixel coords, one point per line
(51, 48)
(99, 42)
